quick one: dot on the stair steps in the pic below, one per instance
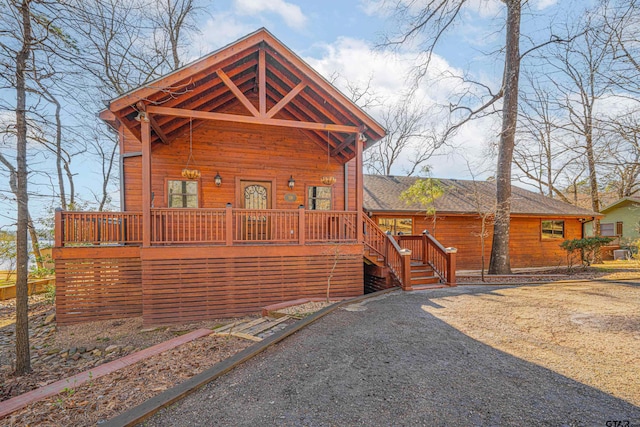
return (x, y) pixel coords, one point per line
(423, 277)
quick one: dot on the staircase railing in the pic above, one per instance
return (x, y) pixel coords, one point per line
(384, 246)
(428, 250)
(397, 253)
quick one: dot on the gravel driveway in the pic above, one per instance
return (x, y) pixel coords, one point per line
(389, 362)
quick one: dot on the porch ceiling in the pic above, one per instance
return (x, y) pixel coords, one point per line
(254, 80)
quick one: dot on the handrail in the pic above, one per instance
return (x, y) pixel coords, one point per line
(374, 237)
(385, 246)
(428, 250)
(440, 259)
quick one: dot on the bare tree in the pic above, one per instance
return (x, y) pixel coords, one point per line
(122, 45)
(407, 129)
(540, 154)
(430, 21)
(622, 163)
(173, 17)
(580, 87)
(620, 30)
(486, 211)
(21, 12)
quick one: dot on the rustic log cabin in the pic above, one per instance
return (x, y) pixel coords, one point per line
(538, 223)
(241, 186)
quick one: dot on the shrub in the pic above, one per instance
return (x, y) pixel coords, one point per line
(588, 248)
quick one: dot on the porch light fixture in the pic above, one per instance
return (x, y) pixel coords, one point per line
(186, 172)
(292, 182)
(217, 179)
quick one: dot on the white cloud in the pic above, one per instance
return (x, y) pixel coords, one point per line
(543, 4)
(290, 13)
(218, 31)
(357, 63)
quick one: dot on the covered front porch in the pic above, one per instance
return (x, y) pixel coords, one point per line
(223, 227)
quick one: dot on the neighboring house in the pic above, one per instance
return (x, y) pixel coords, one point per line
(620, 220)
(242, 185)
(538, 223)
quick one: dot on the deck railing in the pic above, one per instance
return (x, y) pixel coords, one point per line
(171, 226)
(98, 228)
(227, 226)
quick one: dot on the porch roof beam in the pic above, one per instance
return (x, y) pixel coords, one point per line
(154, 124)
(238, 93)
(288, 97)
(224, 117)
(262, 80)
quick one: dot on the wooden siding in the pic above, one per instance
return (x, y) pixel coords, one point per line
(97, 284)
(527, 248)
(183, 285)
(236, 151)
(132, 183)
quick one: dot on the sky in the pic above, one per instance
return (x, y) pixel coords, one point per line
(340, 37)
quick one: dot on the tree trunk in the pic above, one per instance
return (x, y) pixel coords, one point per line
(593, 180)
(23, 358)
(63, 197)
(35, 244)
(500, 263)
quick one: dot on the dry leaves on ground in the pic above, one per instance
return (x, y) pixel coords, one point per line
(589, 332)
(108, 396)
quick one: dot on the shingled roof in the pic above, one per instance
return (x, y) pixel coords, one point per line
(382, 194)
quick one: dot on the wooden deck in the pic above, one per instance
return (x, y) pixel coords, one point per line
(214, 263)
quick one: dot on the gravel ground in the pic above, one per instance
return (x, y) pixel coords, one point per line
(392, 361)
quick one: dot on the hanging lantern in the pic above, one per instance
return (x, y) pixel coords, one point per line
(328, 179)
(186, 172)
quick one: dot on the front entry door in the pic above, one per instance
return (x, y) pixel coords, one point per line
(256, 195)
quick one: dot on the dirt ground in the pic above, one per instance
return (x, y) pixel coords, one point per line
(589, 332)
(58, 352)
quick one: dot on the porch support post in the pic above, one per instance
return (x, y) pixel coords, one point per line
(57, 233)
(302, 227)
(405, 255)
(451, 266)
(228, 220)
(146, 179)
(425, 249)
(359, 188)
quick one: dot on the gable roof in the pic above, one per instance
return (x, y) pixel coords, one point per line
(620, 202)
(261, 81)
(382, 194)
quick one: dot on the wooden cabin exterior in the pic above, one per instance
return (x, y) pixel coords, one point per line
(538, 223)
(272, 206)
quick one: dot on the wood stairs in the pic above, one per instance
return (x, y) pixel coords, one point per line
(423, 277)
(373, 258)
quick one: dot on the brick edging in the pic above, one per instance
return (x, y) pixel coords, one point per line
(19, 402)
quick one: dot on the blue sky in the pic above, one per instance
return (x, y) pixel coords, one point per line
(340, 37)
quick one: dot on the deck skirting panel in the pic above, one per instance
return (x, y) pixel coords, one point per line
(89, 289)
(180, 291)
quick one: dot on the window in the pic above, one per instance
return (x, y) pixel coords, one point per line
(396, 226)
(319, 198)
(553, 229)
(607, 229)
(183, 194)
